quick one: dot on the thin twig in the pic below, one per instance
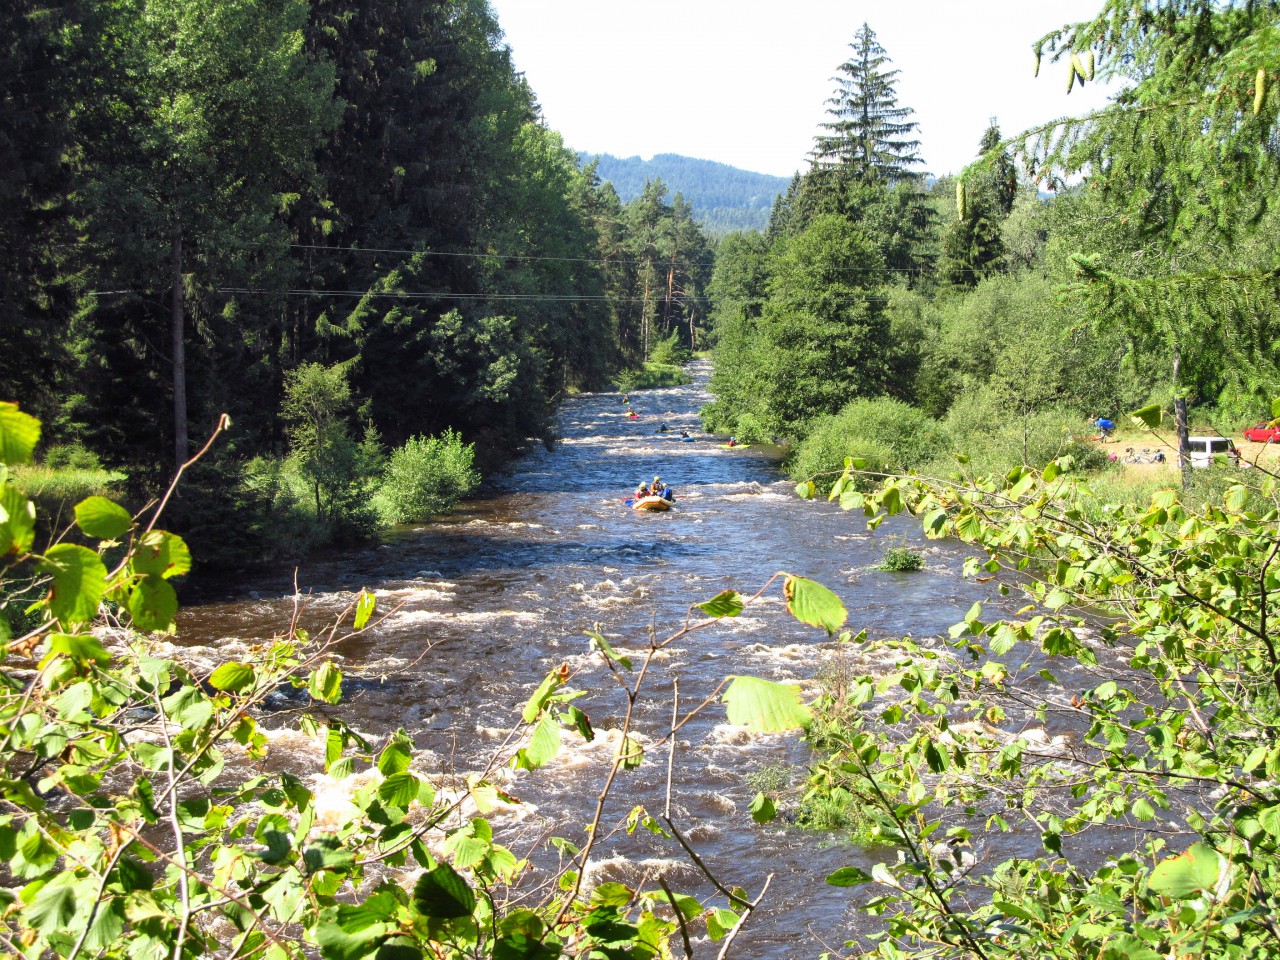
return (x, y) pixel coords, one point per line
(742, 919)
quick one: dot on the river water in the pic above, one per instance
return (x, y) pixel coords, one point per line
(496, 595)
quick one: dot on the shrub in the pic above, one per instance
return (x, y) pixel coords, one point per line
(426, 477)
(890, 435)
(669, 351)
(75, 456)
(899, 557)
(995, 441)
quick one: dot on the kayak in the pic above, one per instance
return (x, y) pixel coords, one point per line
(649, 503)
(736, 446)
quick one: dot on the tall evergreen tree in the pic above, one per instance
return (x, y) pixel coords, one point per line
(869, 135)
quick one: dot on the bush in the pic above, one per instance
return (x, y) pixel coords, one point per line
(670, 351)
(426, 477)
(995, 442)
(890, 435)
(75, 456)
(898, 557)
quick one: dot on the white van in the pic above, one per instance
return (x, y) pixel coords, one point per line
(1203, 450)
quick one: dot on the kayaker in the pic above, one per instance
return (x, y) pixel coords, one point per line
(733, 441)
(684, 434)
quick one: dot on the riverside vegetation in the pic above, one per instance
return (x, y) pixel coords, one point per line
(877, 325)
(134, 821)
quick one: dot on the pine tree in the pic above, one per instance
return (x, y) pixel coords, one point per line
(869, 135)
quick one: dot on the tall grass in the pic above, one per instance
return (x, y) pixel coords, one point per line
(58, 485)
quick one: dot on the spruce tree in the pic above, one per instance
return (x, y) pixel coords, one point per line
(870, 134)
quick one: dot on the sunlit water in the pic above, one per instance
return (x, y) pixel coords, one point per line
(493, 597)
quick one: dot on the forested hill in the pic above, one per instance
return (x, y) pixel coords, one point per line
(724, 198)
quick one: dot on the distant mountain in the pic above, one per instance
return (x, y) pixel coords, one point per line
(724, 198)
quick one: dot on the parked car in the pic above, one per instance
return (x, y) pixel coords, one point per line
(1263, 433)
(1203, 450)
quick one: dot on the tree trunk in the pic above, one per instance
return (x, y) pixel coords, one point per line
(1180, 421)
(644, 318)
(177, 323)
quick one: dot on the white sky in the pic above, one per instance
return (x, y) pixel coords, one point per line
(745, 82)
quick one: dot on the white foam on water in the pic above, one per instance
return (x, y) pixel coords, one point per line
(406, 617)
(788, 658)
(416, 593)
(638, 873)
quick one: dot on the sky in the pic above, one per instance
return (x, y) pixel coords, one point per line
(745, 82)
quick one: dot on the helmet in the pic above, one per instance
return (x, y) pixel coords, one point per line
(655, 478)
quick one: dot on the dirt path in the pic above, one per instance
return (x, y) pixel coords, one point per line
(1263, 454)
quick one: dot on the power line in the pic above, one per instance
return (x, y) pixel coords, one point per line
(519, 256)
(473, 297)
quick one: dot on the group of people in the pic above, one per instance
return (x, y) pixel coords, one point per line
(655, 489)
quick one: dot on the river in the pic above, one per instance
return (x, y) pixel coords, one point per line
(497, 594)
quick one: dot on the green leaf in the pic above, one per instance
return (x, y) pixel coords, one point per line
(102, 518)
(848, 877)
(54, 905)
(1186, 875)
(441, 893)
(810, 602)
(1013, 910)
(1235, 497)
(19, 434)
(806, 490)
(399, 789)
(763, 809)
(325, 683)
(232, 676)
(543, 745)
(719, 922)
(1275, 409)
(631, 752)
(161, 554)
(80, 647)
(1143, 809)
(549, 685)
(17, 521)
(726, 603)
(365, 607)
(79, 581)
(395, 755)
(1149, 416)
(611, 894)
(598, 642)
(764, 706)
(581, 722)
(358, 929)
(189, 707)
(153, 605)
(1269, 820)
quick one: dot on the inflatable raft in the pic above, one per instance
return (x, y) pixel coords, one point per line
(649, 503)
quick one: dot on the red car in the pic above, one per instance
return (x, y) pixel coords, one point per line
(1263, 433)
